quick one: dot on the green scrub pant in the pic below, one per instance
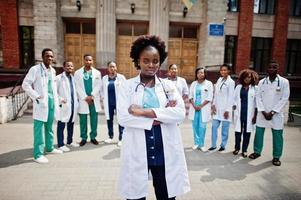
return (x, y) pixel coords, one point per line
(83, 122)
(38, 135)
(277, 141)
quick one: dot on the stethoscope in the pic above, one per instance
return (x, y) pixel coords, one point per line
(223, 83)
(143, 85)
(278, 82)
(43, 73)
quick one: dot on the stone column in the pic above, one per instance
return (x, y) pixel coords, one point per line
(211, 48)
(46, 29)
(159, 21)
(244, 39)
(280, 34)
(105, 32)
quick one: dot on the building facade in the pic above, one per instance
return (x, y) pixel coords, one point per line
(242, 33)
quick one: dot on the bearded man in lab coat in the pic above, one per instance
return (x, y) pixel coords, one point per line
(40, 85)
(272, 96)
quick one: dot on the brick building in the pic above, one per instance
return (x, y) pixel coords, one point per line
(248, 33)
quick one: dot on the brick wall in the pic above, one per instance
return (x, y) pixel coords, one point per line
(245, 22)
(10, 37)
(280, 34)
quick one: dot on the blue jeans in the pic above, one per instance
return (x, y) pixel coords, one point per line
(199, 129)
(225, 132)
(60, 131)
(110, 123)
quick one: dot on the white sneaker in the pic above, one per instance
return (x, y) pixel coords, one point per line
(119, 143)
(41, 160)
(195, 147)
(108, 141)
(203, 149)
(55, 151)
(73, 144)
(64, 149)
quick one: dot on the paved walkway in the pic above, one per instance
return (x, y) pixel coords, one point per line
(91, 172)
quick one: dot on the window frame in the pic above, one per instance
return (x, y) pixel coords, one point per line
(289, 55)
(30, 42)
(267, 7)
(261, 68)
(230, 5)
(233, 51)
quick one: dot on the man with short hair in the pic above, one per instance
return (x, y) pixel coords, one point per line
(40, 85)
(272, 96)
(89, 88)
(67, 106)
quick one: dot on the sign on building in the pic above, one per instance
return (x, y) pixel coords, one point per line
(216, 29)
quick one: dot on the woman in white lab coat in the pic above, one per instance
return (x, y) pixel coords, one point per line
(111, 84)
(244, 109)
(222, 107)
(272, 96)
(150, 108)
(200, 98)
(179, 82)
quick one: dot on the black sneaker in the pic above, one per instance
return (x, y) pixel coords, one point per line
(276, 162)
(211, 148)
(94, 141)
(221, 149)
(82, 143)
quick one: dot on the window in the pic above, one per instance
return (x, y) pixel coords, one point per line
(233, 5)
(132, 29)
(80, 27)
(230, 50)
(178, 31)
(293, 56)
(295, 8)
(264, 6)
(261, 53)
(27, 46)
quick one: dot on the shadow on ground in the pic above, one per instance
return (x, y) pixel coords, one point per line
(221, 165)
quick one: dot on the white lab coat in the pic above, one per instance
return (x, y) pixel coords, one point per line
(133, 182)
(223, 98)
(181, 85)
(118, 82)
(270, 97)
(83, 107)
(251, 107)
(64, 94)
(35, 85)
(207, 95)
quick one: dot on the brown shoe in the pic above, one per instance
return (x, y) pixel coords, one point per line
(94, 141)
(82, 143)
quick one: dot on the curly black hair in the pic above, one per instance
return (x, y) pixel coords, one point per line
(144, 41)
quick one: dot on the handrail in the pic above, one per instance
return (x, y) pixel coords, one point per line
(19, 97)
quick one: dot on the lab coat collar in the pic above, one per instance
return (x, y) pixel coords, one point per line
(44, 67)
(137, 80)
(276, 79)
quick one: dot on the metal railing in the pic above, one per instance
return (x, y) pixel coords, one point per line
(18, 96)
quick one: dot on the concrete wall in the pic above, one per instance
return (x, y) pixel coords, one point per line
(294, 28)
(25, 12)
